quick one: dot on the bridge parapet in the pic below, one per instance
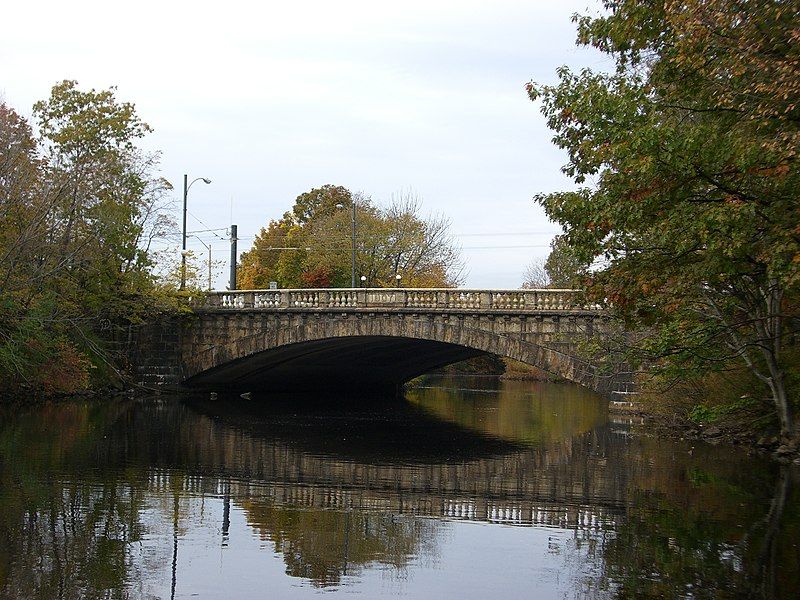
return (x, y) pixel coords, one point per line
(516, 301)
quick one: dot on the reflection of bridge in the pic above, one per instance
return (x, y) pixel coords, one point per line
(370, 339)
(274, 456)
(519, 511)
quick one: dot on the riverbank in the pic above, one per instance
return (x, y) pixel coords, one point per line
(732, 431)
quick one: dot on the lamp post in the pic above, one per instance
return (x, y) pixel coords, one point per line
(363, 281)
(398, 277)
(183, 246)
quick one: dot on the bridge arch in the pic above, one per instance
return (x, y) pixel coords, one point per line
(291, 351)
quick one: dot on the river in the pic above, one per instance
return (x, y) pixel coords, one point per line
(467, 488)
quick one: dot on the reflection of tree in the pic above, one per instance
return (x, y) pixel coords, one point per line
(63, 539)
(69, 541)
(691, 545)
(779, 528)
(325, 545)
(512, 412)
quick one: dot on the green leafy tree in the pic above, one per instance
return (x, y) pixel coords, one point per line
(79, 208)
(690, 147)
(564, 269)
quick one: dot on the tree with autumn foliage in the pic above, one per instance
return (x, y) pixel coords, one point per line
(79, 208)
(686, 161)
(311, 245)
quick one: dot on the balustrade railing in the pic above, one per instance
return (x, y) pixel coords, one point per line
(544, 300)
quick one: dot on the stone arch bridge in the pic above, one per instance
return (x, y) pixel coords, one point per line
(363, 339)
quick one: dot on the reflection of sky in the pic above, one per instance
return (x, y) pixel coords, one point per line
(471, 560)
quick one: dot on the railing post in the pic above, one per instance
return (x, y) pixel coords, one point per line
(486, 300)
(442, 298)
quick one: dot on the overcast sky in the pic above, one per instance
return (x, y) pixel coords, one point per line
(270, 100)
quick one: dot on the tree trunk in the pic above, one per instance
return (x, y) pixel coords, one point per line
(782, 403)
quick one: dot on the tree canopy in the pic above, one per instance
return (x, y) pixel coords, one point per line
(79, 207)
(311, 245)
(686, 158)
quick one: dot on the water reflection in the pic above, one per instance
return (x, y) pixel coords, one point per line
(452, 493)
(530, 412)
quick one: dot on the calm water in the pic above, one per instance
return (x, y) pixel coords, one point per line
(468, 489)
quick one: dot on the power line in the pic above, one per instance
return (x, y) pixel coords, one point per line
(209, 229)
(504, 233)
(505, 247)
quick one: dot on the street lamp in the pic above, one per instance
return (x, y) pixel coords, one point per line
(183, 247)
(352, 244)
(363, 281)
(398, 277)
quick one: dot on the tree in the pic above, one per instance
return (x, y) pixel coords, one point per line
(561, 269)
(311, 246)
(79, 208)
(535, 276)
(564, 269)
(691, 147)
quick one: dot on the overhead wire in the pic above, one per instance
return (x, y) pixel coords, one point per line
(204, 225)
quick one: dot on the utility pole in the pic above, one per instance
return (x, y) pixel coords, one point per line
(234, 258)
(183, 245)
(353, 249)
